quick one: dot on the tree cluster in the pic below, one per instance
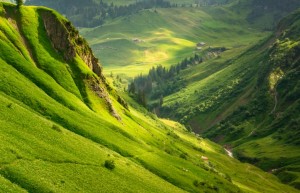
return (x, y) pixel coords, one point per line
(88, 13)
(211, 2)
(19, 2)
(159, 82)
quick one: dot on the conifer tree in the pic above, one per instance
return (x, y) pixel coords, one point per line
(19, 3)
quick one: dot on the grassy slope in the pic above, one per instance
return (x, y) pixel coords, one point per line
(205, 100)
(168, 36)
(53, 142)
(216, 88)
(212, 95)
(270, 138)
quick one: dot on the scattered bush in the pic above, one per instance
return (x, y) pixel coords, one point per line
(80, 41)
(109, 164)
(199, 149)
(168, 151)
(123, 103)
(56, 128)
(196, 183)
(184, 156)
(199, 183)
(213, 187)
(173, 134)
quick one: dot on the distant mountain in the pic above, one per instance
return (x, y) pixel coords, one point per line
(261, 13)
(265, 13)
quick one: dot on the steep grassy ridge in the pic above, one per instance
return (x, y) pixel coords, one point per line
(268, 126)
(256, 93)
(58, 127)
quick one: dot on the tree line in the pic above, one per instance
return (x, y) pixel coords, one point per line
(88, 13)
(159, 82)
(149, 90)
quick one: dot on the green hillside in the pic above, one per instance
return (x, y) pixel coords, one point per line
(264, 14)
(268, 125)
(226, 97)
(131, 42)
(132, 45)
(248, 101)
(64, 129)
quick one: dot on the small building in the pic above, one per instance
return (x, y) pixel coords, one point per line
(137, 40)
(201, 44)
(204, 158)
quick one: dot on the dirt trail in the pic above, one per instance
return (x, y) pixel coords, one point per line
(276, 101)
(251, 133)
(229, 153)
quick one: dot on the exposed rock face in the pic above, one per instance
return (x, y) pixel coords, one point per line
(66, 39)
(102, 94)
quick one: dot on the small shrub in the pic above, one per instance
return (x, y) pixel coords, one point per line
(213, 187)
(123, 103)
(56, 128)
(80, 41)
(173, 134)
(109, 164)
(199, 149)
(10, 105)
(168, 151)
(196, 183)
(184, 156)
(199, 183)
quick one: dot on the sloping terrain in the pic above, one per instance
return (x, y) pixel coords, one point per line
(64, 129)
(266, 131)
(133, 44)
(257, 93)
(264, 14)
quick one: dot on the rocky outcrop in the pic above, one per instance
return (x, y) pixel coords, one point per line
(66, 39)
(102, 94)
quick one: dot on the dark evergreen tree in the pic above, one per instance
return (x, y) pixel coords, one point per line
(159, 82)
(19, 3)
(161, 101)
(131, 88)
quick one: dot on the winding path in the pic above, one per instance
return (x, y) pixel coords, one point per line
(276, 101)
(229, 153)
